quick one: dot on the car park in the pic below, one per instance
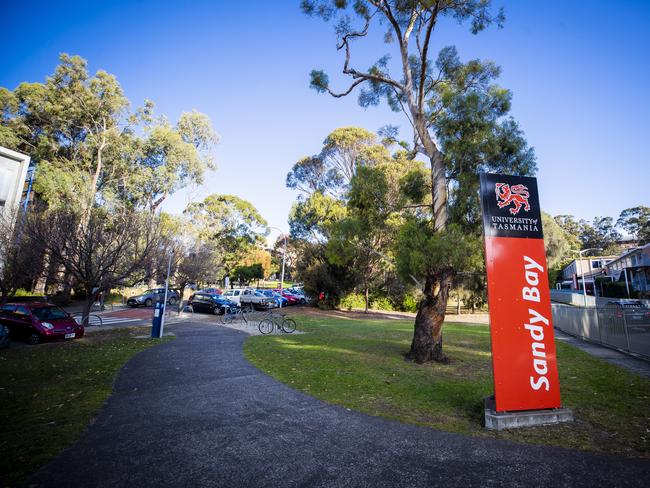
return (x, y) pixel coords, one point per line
(210, 303)
(39, 321)
(154, 295)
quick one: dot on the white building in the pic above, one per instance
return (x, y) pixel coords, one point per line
(13, 170)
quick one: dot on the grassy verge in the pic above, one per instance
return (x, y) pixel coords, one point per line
(359, 364)
(49, 393)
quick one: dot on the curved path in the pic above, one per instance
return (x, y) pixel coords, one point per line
(194, 412)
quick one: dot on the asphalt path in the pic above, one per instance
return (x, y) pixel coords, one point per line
(194, 412)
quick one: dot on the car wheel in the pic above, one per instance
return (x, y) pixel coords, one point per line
(216, 311)
(172, 301)
(33, 339)
(302, 301)
(148, 302)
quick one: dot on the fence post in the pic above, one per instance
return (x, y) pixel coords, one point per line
(600, 336)
(627, 337)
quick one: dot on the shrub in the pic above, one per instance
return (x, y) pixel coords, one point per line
(381, 303)
(409, 304)
(353, 300)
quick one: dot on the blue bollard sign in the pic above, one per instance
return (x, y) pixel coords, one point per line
(156, 321)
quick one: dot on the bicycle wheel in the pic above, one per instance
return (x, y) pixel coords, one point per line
(94, 320)
(266, 326)
(288, 325)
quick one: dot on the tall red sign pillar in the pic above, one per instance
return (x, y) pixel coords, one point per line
(523, 346)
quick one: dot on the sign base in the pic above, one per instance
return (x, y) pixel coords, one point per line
(525, 418)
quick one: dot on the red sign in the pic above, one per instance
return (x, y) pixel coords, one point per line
(523, 347)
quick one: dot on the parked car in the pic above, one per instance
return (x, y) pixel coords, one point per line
(302, 299)
(293, 300)
(149, 297)
(210, 302)
(254, 299)
(39, 321)
(233, 295)
(635, 311)
(214, 291)
(277, 299)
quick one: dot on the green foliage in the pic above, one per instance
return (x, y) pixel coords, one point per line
(381, 303)
(249, 273)
(315, 216)
(353, 300)
(636, 221)
(409, 304)
(558, 246)
(419, 252)
(601, 235)
(230, 224)
(91, 150)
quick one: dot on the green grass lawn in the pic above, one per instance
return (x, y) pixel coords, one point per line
(359, 364)
(49, 394)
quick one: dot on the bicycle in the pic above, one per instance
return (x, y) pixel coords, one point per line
(91, 321)
(275, 321)
(231, 315)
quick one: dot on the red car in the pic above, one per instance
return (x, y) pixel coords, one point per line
(37, 321)
(293, 300)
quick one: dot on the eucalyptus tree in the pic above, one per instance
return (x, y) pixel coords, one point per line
(458, 117)
(93, 151)
(91, 148)
(231, 224)
(636, 221)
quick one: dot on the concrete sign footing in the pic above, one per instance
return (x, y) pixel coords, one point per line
(526, 418)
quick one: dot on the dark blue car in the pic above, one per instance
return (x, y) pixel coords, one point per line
(210, 303)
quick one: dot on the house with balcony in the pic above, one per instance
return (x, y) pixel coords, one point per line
(585, 269)
(632, 268)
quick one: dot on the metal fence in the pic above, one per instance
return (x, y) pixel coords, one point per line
(627, 329)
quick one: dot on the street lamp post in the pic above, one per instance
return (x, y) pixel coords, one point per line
(584, 285)
(284, 253)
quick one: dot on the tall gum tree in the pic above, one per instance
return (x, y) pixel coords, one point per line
(455, 111)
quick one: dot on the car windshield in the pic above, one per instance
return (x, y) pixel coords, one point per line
(49, 313)
(149, 292)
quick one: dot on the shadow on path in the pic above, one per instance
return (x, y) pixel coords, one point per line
(194, 412)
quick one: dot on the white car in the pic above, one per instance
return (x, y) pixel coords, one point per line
(234, 295)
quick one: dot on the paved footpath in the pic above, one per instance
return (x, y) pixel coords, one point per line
(194, 412)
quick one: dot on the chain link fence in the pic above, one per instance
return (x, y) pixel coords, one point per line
(623, 327)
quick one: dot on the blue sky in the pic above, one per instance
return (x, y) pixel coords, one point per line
(578, 70)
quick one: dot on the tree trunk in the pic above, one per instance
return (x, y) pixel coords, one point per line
(366, 311)
(457, 302)
(427, 334)
(41, 281)
(88, 303)
(181, 297)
